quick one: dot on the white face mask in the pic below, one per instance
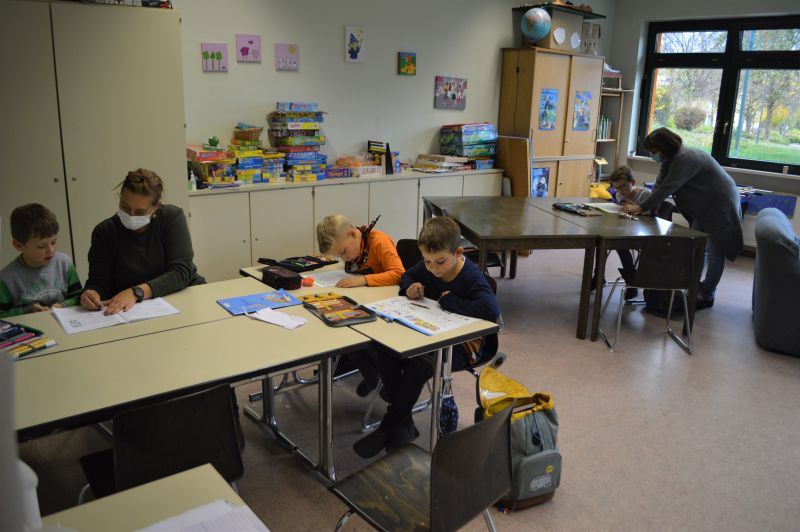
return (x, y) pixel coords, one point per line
(133, 222)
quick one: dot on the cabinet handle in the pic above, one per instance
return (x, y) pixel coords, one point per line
(244, 241)
(256, 239)
(74, 178)
(55, 180)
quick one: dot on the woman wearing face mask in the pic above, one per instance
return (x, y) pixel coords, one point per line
(143, 251)
(705, 193)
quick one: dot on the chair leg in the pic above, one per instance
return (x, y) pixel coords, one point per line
(367, 425)
(84, 492)
(487, 516)
(687, 344)
(603, 311)
(342, 520)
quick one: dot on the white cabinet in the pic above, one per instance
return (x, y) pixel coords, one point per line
(489, 184)
(348, 199)
(117, 98)
(282, 223)
(452, 185)
(396, 203)
(220, 229)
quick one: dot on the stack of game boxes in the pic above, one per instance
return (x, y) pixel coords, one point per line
(377, 149)
(295, 129)
(249, 161)
(211, 164)
(477, 141)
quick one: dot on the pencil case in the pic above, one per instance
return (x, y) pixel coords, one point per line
(279, 277)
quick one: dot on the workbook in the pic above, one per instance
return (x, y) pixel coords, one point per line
(423, 315)
(255, 302)
(78, 319)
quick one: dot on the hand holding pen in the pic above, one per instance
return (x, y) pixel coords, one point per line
(628, 216)
(415, 291)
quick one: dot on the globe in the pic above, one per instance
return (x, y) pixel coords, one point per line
(535, 23)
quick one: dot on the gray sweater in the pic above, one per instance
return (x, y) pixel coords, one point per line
(161, 256)
(704, 192)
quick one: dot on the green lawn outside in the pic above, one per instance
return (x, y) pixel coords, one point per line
(748, 149)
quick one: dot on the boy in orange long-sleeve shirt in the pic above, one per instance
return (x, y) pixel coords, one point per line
(371, 255)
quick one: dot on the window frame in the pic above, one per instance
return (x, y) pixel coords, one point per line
(732, 61)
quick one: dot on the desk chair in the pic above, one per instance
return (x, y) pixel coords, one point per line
(665, 263)
(156, 441)
(409, 489)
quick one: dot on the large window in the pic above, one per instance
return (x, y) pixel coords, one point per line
(728, 87)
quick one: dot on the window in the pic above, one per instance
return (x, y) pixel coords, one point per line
(727, 87)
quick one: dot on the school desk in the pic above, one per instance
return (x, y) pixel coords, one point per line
(149, 503)
(91, 384)
(197, 304)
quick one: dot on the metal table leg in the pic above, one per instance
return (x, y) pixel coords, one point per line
(326, 419)
(441, 372)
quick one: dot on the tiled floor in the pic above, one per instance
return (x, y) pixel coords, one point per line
(652, 438)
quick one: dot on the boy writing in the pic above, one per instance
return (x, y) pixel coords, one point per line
(445, 275)
(627, 193)
(370, 254)
(39, 278)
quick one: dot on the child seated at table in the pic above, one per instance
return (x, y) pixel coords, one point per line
(40, 277)
(627, 193)
(371, 255)
(445, 275)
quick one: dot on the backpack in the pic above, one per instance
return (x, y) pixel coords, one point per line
(535, 458)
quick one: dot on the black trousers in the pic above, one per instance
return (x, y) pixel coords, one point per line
(405, 378)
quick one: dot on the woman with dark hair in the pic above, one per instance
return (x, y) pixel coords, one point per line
(143, 251)
(705, 193)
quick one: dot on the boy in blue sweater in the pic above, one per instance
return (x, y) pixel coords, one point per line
(447, 276)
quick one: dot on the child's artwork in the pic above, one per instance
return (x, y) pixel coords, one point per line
(215, 56)
(287, 56)
(354, 41)
(540, 181)
(248, 48)
(583, 111)
(548, 109)
(406, 63)
(450, 93)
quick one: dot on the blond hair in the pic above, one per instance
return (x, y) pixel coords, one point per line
(440, 234)
(330, 229)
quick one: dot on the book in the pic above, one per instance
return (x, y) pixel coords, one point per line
(77, 319)
(423, 315)
(442, 158)
(255, 302)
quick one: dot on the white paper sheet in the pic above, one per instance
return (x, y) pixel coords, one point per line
(328, 278)
(78, 319)
(215, 516)
(286, 321)
(613, 208)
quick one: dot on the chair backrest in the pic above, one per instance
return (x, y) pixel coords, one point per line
(665, 263)
(163, 439)
(470, 470)
(409, 252)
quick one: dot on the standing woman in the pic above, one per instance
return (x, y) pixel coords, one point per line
(143, 251)
(705, 193)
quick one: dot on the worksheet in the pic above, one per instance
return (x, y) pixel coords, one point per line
(78, 319)
(327, 278)
(423, 315)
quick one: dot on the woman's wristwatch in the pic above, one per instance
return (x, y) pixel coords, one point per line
(139, 293)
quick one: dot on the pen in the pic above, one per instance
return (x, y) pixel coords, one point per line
(418, 305)
(31, 329)
(17, 339)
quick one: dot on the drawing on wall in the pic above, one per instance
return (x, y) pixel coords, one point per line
(287, 56)
(548, 109)
(215, 56)
(540, 182)
(583, 111)
(407, 63)
(354, 42)
(450, 93)
(248, 48)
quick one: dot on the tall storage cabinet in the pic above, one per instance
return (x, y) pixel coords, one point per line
(563, 139)
(115, 90)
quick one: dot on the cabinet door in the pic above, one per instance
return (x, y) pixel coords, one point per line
(574, 178)
(396, 203)
(581, 127)
(452, 185)
(282, 222)
(350, 200)
(120, 91)
(508, 92)
(220, 228)
(544, 179)
(30, 144)
(548, 112)
(489, 184)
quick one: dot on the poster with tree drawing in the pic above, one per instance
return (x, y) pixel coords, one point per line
(214, 56)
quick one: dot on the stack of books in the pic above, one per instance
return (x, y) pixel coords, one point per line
(295, 130)
(477, 141)
(433, 163)
(17, 340)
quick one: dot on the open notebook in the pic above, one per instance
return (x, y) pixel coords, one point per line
(78, 319)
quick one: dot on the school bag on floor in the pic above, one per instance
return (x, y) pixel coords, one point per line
(535, 458)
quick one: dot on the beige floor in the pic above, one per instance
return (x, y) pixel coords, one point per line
(652, 439)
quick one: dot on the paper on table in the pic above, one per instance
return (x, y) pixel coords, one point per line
(613, 208)
(286, 321)
(328, 278)
(424, 315)
(217, 515)
(78, 319)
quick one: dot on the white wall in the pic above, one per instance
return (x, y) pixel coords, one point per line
(460, 38)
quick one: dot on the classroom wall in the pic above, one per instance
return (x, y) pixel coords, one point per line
(460, 38)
